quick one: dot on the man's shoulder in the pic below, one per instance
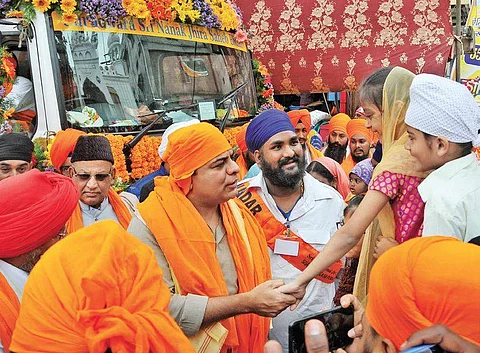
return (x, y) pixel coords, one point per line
(321, 191)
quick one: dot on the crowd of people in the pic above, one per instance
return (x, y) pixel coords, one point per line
(224, 249)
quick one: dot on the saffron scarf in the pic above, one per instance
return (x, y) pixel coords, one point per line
(189, 248)
(9, 309)
(123, 214)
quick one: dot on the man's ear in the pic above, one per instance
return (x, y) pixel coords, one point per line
(256, 156)
(70, 171)
(30, 166)
(388, 346)
(442, 146)
(114, 173)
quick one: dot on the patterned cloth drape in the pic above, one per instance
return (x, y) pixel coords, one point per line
(331, 45)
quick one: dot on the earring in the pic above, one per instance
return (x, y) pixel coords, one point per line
(191, 187)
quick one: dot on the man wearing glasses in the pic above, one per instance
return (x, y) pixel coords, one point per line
(34, 208)
(93, 172)
(15, 155)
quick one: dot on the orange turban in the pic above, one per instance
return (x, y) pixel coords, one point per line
(96, 289)
(357, 127)
(63, 146)
(240, 138)
(302, 115)
(190, 148)
(422, 282)
(34, 207)
(338, 123)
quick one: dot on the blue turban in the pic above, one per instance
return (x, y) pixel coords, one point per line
(265, 125)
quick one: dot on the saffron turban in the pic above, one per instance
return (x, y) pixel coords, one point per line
(190, 148)
(169, 130)
(15, 147)
(240, 138)
(34, 207)
(301, 115)
(358, 127)
(343, 184)
(63, 146)
(422, 282)
(99, 288)
(338, 123)
(265, 125)
(442, 107)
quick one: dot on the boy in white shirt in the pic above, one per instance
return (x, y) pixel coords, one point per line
(443, 125)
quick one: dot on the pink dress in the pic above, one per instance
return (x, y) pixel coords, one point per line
(406, 203)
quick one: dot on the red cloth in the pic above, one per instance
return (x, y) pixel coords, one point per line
(331, 46)
(301, 115)
(63, 145)
(34, 207)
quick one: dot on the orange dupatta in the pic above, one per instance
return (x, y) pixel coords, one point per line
(313, 151)
(123, 214)
(9, 310)
(189, 248)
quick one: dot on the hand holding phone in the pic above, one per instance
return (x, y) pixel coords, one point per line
(338, 321)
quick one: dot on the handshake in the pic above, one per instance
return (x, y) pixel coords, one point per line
(267, 300)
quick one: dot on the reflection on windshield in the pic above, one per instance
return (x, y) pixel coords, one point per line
(124, 80)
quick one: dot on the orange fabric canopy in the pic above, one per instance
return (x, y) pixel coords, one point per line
(358, 127)
(190, 148)
(96, 289)
(301, 115)
(338, 123)
(422, 282)
(63, 145)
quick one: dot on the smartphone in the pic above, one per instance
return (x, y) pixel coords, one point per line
(338, 321)
(425, 348)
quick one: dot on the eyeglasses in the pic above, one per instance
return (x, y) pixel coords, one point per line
(87, 176)
(340, 225)
(64, 168)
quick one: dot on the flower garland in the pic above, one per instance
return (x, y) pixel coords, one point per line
(230, 134)
(221, 14)
(116, 144)
(144, 156)
(264, 87)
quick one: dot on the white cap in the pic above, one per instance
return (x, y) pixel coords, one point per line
(169, 130)
(442, 107)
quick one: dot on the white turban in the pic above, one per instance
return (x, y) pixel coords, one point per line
(168, 131)
(442, 107)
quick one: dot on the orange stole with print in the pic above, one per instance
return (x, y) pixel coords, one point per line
(121, 211)
(9, 310)
(274, 230)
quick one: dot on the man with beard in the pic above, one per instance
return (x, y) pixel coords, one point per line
(337, 142)
(360, 139)
(302, 122)
(298, 213)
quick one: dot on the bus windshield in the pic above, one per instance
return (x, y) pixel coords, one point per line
(117, 82)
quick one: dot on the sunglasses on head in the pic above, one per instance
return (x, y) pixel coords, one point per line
(87, 176)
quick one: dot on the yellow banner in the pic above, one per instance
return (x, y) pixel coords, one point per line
(470, 63)
(155, 28)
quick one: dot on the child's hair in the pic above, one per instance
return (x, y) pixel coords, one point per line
(465, 148)
(353, 204)
(371, 89)
(316, 167)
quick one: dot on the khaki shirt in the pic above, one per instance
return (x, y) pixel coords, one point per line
(189, 310)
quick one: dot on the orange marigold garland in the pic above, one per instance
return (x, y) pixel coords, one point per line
(116, 143)
(144, 156)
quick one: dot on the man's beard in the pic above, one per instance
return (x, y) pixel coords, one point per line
(279, 177)
(357, 159)
(336, 152)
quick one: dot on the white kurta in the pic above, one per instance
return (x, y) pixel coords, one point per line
(314, 218)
